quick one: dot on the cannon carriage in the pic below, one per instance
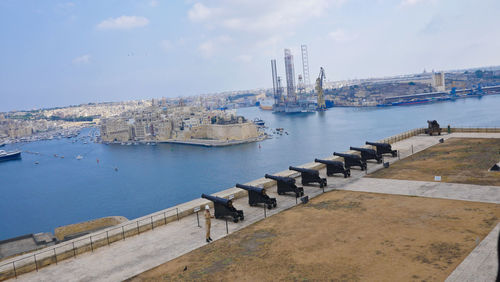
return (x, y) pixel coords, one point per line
(383, 148)
(286, 184)
(433, 127)
(334, 167)
(368, 154)
(224, 208)
(351, 160)
(309, 176)
(257, 195)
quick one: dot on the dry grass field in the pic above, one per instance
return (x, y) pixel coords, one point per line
(457, 160)
(343, 236)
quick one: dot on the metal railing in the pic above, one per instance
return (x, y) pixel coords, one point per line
(90, 242)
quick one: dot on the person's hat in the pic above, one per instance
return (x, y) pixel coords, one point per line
(207, 207)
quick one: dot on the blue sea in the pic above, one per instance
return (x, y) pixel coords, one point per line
(55, 192)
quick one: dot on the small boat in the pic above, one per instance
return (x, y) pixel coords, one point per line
(79, 157)
(36, 162)
(7, 156)
(258, 121)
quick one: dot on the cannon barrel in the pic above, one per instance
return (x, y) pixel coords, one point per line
(328, 162)
(216, 199)
(378, 144)
(250, 188)
(303, 170)
(348, 156)
(290, 180)
(362, 149)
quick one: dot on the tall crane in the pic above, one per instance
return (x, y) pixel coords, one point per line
(319, 89)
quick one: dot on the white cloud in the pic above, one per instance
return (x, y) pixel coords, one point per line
(82, 60)
(341, 35)
(123, 22)
(259, 15)
(199, 12)
(154, 3)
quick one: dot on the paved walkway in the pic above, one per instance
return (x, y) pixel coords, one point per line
(464, 192)
(481, 264)
(137, 254)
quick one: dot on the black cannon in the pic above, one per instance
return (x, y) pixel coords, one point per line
(383, 148)
(352, 160)
(224, 207)
(433, 127)
(309, 176)
(368, 154)
(257, 195)
(334, 167)
(286, 184)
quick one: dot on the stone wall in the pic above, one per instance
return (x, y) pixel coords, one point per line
(239, 131)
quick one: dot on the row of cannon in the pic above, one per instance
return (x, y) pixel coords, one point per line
(257, 195)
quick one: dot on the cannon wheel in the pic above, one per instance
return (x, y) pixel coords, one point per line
(345, 174)
(394, 154)
(274, 205)
(235, 220)
(242, 218)
(270, 206)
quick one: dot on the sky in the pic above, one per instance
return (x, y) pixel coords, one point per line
(59, 53)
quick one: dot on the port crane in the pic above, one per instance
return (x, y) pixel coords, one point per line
(319, 89)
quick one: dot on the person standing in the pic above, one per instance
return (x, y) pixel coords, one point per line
(208, 217)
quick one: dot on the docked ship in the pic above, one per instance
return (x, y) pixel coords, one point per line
(7, 156)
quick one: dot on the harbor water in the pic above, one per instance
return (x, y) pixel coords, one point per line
(135, 180)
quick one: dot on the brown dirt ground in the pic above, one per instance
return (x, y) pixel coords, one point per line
(94, 224)
(343, 236)
(457, 160)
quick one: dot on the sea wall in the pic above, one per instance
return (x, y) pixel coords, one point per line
(239, 131)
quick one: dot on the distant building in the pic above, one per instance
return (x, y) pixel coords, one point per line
(438, 81)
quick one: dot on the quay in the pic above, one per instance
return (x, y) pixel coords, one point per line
(126, 250)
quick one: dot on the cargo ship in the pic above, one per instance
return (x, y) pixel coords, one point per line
(7, 156)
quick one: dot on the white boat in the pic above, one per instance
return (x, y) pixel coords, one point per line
(79, 157)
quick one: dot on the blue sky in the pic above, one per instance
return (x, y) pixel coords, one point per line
(57, 53)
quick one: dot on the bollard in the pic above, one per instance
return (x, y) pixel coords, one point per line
(177, 210)
(14, 265)
(138, 231)
(265, 211)
(227, 228)
(165, 218)
(412, 149)
(152, 227)
(74, 252)
(55, 255)
(107, 237)
(123, 233)
(36, 264)
(91, 245)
